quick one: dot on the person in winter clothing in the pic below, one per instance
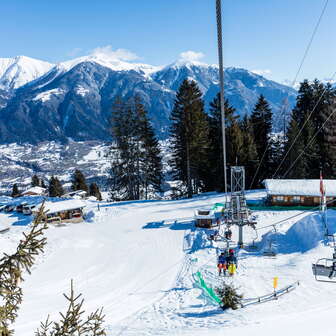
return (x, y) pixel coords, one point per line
(231, 262)
(228, 234)
(222, 264)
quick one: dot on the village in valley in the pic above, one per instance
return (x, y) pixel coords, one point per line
(181, 199)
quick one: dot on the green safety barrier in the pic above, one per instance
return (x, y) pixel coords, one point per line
(208, 290)
(217, 205)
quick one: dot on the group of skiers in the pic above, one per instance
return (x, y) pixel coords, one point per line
(227, 263)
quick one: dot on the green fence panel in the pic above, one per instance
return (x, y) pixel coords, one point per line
(208, 290)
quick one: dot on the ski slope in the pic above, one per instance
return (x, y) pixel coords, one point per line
(137, 262)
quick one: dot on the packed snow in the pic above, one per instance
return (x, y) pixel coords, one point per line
(137, 259)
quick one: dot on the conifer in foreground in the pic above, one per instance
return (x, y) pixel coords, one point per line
(12, 268)
(229, 296)
(72, 322)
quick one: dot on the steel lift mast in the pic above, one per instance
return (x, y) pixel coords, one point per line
(239, 213)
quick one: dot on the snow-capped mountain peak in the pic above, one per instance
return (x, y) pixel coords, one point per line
(19, 70)
(111, 63)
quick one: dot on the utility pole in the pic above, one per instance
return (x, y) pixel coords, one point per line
(221, 85)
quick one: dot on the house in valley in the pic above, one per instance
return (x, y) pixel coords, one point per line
(68, 211)
(35, 191)
(281, 192)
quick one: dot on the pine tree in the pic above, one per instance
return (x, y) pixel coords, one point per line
(293, 149)
(55, 187)
(248, 156)
(15, 191)
(136, 159)
(79, 181)
(12, 269)
(72, 322)
(261, 120)
(43, 184)
(216, 171)
(310, 133)
(229, 296)
(189, 138)
(35, 182)
(150, 153)
(94, 191)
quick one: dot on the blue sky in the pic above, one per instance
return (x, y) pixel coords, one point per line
(265, 35)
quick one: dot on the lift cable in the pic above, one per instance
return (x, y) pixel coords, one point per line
(294, 81)
(304, 124)
(309, 143)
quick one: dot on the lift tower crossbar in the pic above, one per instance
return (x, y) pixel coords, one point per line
(239, 214)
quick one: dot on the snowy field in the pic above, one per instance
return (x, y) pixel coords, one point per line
(133, 259)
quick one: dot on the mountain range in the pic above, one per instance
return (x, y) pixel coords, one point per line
(40, 101)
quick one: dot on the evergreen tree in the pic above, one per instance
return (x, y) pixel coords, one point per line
(43, 183)
(72, 322)
(216, 171)
(79, 181)
(189, 138)
(55, 187)
(35, 182)
(150, 153)
(94, 191)
(248, 156)
(15, 191)
(136, 160)
(229, 296)
(14, 267)
(261, 120)
(311, 133)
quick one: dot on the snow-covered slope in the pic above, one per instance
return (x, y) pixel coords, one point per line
(137, 259)
(17, 71)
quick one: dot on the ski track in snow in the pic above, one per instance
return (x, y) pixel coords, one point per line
(140, 268)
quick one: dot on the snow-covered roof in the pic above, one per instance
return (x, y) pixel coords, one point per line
(35, 190)
(204, 214)
(299, 187)
(53, 207)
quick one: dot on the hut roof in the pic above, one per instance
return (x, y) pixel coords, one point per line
(299, 187)
(35, 190)
(53, 207)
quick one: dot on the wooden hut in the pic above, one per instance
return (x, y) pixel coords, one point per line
(35, 191)
(281, 192)
(69, 211)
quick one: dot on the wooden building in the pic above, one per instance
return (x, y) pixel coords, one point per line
(281, 192)
(35, 191)
(209, 218)
(69, 211)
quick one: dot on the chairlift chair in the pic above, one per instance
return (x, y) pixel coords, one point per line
(270, 252)
(324, 269)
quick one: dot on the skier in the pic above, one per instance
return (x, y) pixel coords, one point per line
(221, 264)
(231, 262)
(228, 234)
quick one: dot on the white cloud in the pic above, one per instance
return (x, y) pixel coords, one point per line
(74, 52)
(118, 54)
(262, 72)
(191, 56)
